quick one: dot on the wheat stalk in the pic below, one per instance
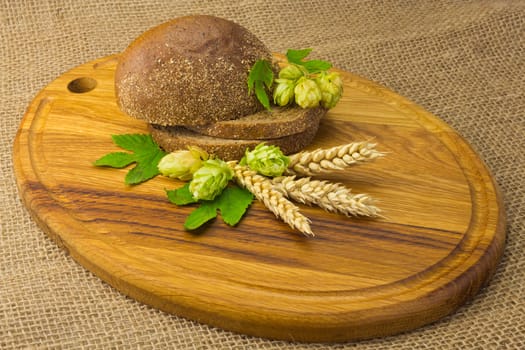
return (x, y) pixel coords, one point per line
(332, 197)
(336, 158)
(262, 188)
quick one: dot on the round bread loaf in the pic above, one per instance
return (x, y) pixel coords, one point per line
(189, 71)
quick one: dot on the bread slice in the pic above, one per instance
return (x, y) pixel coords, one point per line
(172, 138)
(279, 122)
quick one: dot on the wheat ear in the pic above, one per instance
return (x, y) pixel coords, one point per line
(336, 158)
(332, 197)
(262, 189)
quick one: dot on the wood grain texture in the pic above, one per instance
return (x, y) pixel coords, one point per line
(440, 242)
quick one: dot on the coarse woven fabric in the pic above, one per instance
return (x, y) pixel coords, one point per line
(461, 60)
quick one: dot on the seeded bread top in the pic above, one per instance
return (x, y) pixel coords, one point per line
(189, 71)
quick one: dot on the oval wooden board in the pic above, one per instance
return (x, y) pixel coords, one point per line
(440, 242)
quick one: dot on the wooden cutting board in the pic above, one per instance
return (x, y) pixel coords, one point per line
(440, 241)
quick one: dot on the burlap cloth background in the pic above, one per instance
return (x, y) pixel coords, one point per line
(461, 60)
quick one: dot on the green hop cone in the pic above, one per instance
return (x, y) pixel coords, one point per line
(182, 164)
(267, 160)
(331, 87)
(290, 72)
(283, 93)
(211, 178)
(307, 93)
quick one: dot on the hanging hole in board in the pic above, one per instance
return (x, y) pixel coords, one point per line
(82, 85)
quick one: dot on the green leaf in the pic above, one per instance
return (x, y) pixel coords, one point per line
(296, 56)
(146, 167)
(316, 66)
(181, 196)
(262, 95)
(115, 160)
(312, 66)
(204, 213)
(134, 142)
(260, 75)
(261, 71)
(233, 203)
(146, 154)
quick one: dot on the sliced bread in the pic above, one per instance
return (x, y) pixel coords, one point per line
(172, 138)
(279, 122)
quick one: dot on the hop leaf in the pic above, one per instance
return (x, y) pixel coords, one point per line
(261, 75)
(181, 196)
(296, 56)
(232, 204)
(204, 213)
(312, 66)
(146, 153)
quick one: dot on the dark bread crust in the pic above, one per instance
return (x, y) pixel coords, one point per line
(189, 71)
(281, 121)
(172, 138)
